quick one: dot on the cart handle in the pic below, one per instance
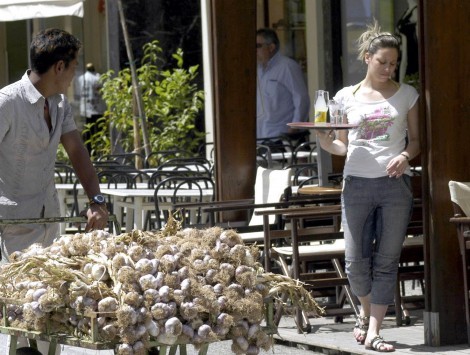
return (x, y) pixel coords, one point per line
(76, 219)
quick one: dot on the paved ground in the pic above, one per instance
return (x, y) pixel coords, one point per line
(215, 348)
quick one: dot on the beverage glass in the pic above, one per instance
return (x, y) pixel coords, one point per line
(336, 112)
(321, 100)
(340, 119)
(333, 107)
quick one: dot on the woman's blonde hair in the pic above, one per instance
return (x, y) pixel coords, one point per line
(372, 40)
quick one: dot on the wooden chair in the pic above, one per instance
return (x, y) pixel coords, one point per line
(460, 197)
(272, 191)
(270, 187)
(411, 266)
(411, 262)
(411, 269)
(312, 253)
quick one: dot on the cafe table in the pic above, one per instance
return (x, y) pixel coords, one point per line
(66, 199)
(137, 202)
(315, 190)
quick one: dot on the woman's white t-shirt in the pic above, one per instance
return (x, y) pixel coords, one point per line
(381, 132)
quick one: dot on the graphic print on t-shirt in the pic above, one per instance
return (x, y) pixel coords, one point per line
(374, 125)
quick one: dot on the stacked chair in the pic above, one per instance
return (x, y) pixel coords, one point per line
(460, 197)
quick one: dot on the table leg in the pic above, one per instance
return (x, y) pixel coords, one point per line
(130, 218)
(61, 195)
(301, 317)
(139, 215)
(117, 210)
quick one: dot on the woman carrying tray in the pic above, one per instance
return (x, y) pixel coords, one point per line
(377, 195)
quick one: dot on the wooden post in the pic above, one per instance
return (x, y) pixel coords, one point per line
(234, 73)
(445, 112)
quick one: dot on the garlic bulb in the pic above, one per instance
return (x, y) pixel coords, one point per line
(108, 304)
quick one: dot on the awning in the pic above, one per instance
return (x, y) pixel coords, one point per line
(13, 10)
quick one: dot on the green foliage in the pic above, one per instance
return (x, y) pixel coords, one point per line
(171, 102)
(413, 80)
(62, 155)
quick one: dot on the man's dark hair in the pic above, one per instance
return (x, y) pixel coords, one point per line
(50, 46)
(269, 35)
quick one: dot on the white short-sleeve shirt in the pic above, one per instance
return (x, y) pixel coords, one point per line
(28, 150)
(381, 132)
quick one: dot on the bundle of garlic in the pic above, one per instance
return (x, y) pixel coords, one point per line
(187, 286)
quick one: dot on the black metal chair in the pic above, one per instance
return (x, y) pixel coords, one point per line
(196, 166)
(64, 173)
(305, 153)
(154, 159)
(263, 156)
(195, 190)
(131, 159)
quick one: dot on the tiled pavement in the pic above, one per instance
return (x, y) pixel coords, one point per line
(328, 337)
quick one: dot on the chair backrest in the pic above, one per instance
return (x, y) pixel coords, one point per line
(160, 175)
(305, 152)
(183, 189)
(197, 165)
(303, 172)
(460, 195)
(110, 165)
(132, 159)
(155, 158)
(270, 185)
(128, 177)
(264, 156)
(64, 173)
(206, 150)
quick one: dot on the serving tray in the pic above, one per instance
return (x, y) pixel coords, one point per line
(328, 126)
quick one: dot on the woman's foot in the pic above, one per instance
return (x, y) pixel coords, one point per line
(378, 343)
(360, 329)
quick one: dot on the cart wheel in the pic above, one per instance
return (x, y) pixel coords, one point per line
(407, 320)
(339, 319)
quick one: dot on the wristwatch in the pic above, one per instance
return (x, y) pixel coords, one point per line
(98, 199)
